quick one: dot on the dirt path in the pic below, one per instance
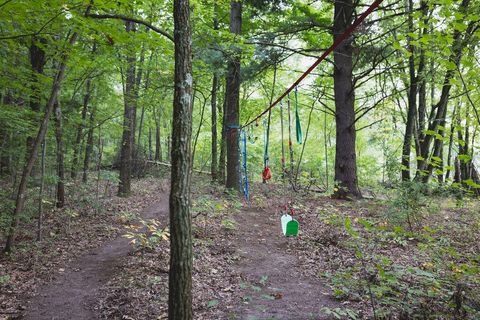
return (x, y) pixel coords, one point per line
(72, 294)
(274, 286)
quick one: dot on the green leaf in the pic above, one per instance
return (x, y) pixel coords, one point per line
(430, 132)
(348, 227)
(212, 303)
(472, 184)
(450, 65)
(459, 26)
(464, 157)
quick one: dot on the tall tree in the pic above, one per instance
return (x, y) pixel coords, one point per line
(60, 156)
(42, 130)
(345, 156)
(232, 98)
(439, 111)
(80, 127)
(223, 145)
(181, 256)
(214, 165)
(79, 134)
(412, 100)
(37, 61)
(214, 162)
(129, 118)
(89, 146)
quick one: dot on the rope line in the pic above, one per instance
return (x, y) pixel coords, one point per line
(336, 43)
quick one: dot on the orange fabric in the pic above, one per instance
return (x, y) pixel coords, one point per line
(266, 174)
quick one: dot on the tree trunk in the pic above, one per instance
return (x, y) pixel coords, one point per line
(437, 153)
(345, 157)
(181, 256)
(214, 162)
(99, 164)
(22, 187)
(149, 143)
(232, 97)
(60, 156)
(412, 101)
(37, 61)
(137, 89)
(4, 154)
(421, 82)
(442, 104)
(214, 165)
(223, 147)
(464, 150)
(169, 149)
(6, 139)
(78, 139)
(158, 141)
(202, 113)
(129, 118)
(40, 193)
(450, 145)
(89, 147)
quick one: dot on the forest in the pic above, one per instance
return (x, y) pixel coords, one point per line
(242, 159)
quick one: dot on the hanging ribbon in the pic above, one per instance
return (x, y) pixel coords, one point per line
(266, 174)
(251, 135)
(244, 158)
(297, 119)
(290, 144)
(283, 146)
(231, 128)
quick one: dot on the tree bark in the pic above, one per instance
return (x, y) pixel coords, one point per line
(223, 147)
(450, 144)
(442, 104)
(137, 95)
(149, 143)
(60, 156)
(232, 97)
(169, 148)
(89, 146)
(129, 118)
(181, 256)
(37, 61)
(158, 141)
(78, 138)
(345, 157)
(202, 113)
(412, 101)
(22, 187)
(214, 164)
(40, 193)
(4, 154)
(437, 153)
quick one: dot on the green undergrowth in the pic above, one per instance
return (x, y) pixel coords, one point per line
(413, 256)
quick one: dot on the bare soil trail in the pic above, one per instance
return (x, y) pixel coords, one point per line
(265, 276)
(274, 285)
(73, 293)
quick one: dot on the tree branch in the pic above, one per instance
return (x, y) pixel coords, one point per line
(370, 125)
(139, 21)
